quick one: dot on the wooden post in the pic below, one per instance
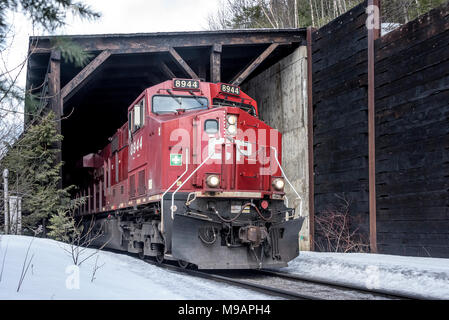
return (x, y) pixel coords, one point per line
(373, 34)
(215, 63)
(54, 88)
(310, 140)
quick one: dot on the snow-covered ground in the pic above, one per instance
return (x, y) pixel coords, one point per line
(421, 276)
(51, 276)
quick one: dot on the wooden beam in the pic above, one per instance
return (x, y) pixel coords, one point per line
(76, 83)
(180, 61)
(157, 42)
(239, 78)
(166, 70)
(215, 63)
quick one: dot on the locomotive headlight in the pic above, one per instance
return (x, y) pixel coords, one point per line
(278, 184)
(232, 129)
(213, 181)
(232, 119)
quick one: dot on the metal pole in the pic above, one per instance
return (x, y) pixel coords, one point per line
(5, 188)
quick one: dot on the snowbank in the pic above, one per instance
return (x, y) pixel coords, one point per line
(422, 276)
(50, 276)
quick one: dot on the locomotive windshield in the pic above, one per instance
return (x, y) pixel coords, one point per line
(172, 103)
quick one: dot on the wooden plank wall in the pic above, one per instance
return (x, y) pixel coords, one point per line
(339, 66)
(412, 137)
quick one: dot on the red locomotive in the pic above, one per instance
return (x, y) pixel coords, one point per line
(194, 176)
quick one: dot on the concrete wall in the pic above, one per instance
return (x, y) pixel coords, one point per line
(281, 94)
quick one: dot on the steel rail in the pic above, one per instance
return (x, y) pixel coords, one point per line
(240, 283)
(340, 284)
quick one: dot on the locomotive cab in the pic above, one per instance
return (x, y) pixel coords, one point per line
(195, 176)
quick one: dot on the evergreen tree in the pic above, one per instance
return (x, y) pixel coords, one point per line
(34, 173)
(63, 225)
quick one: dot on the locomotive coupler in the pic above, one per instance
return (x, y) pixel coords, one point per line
(253, 235)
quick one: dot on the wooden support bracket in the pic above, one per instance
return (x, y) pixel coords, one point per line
(180, 61)
(76, 83)
(239, 78)
(166, 70)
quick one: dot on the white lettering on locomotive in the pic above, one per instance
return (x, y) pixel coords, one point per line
(136, 146)
(244, 148)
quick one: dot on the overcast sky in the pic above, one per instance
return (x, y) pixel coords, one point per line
(146, 16)
(131, 16)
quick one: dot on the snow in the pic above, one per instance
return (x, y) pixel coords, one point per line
(388, 27)
(421, 276)
(51, 276)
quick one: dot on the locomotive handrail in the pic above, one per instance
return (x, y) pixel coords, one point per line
(162, 198)
(188, 178)
(285, 176)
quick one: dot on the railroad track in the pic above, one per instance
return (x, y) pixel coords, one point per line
(389, 294)
(236, 282)
(281, 284)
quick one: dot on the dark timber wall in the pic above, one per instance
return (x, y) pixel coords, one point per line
(412, 137)
(411, 123)
(339, 58)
